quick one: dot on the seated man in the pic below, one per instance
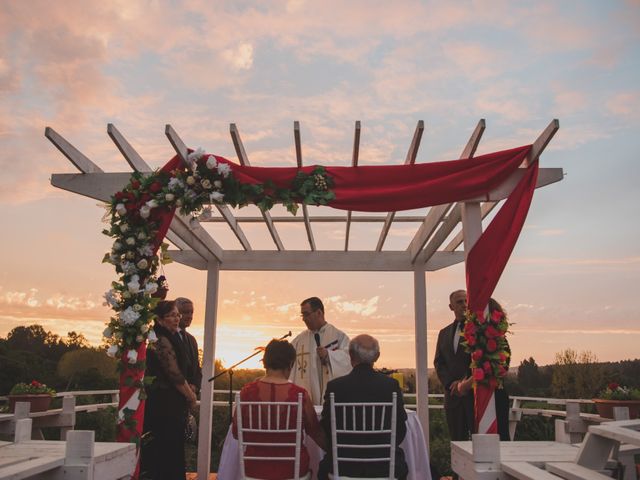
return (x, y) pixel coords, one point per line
(364, 384)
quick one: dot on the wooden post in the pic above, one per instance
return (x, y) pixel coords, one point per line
(69, 414)
(471, 225)
(79, 455)
(209, 353)
(422, 372)
(22, 432)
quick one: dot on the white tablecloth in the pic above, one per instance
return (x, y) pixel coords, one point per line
(414, 446)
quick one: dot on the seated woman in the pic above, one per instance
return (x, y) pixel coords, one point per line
(168, 399)
(275, 387)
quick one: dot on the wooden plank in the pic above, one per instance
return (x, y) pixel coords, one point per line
(324, 219)
(437, 214)
(354, 163)
(542, 141)
(620, 434)
(410, 159)
(30, 467)
(455, 242)
(526, 471)
(75, 156)
(305, 211)
(573, 471)
(244, 160)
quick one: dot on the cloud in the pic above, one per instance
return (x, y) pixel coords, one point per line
(624, 104)
(365, 308)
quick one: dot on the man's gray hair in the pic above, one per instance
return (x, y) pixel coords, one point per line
(180, 301)
(366, 351)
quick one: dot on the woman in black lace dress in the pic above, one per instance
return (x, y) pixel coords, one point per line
(169, 399)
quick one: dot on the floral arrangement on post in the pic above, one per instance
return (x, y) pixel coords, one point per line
(136, 215)
(484, 338)
(614, 391)
(33, 388)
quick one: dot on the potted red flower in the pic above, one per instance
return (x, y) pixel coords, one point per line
(36, 393)
(615, 395)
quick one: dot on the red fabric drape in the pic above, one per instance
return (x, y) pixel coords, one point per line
(486, 262)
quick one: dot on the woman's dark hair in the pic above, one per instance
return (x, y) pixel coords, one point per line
(494, 305)
(163, 307)
(279, 355)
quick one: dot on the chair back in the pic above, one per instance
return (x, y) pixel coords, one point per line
(256, 420)
(351, 421)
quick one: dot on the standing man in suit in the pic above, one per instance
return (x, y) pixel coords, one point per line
(452, 366)
(364, 384)
(194, 370)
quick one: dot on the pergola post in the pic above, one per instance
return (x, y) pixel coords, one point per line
(471, 216)
(209, 352)
(422, 373)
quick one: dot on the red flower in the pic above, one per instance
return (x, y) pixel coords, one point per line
(155, 187)
(493, 382)
(469, 328)
(491, 332)
(496, 316)
(503, 357)
(135, 184)
(487, 366)
(613, 386)
(478, 374)
(476, 355)
(130, 206)
(480, 317)
(491, 345)
(119, 195)
(471, 340)
(501, 371)
(35, 383)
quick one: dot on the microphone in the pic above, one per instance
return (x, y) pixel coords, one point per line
(316, 336)
(285, 335)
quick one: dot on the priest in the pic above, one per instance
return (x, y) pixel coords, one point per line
(322, 351)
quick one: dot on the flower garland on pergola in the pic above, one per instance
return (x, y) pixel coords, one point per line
(140, 215)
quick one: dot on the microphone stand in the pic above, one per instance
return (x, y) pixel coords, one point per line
(229, 371)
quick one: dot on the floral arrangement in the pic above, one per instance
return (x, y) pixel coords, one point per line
(33, 388)
(613, 391)
(484, 338)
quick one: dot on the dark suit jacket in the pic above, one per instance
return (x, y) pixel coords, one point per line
(364, 384)
(194, 370)
(450, 365)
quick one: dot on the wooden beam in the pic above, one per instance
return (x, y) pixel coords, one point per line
(138, 164)
(354, 163)
(182, 150)
(410, 159)
(244, 160)
(75, 156)
(305, 212)
(542, 141)
(324, 219)
(319, 261)
(436, 214)
(485, 209)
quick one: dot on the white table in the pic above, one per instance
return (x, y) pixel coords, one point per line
(414, 446)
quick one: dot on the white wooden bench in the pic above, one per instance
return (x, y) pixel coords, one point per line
(526, 471)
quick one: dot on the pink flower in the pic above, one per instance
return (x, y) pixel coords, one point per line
(478, 374)
(491, 345)
(476, 355)
(487, 366)
(496, 316)
(480, 317)
(491, 332)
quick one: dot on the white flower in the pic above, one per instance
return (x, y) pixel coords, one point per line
(145, 211)
(152, 337)
(217, 184)
(130, 255)
(169, 197)
(134, 284)
(114, 259)
(121, 209)
(224, 169)
(191, 180)
(112, 350)
(107, 333)
(142, 264)
(145, 250)
(130, 241)
(132, 356)
(144, 328)
(212, 162)
(216, 197)
(126, 294)
(175, 183)
(128, 268)
(129, 316)
(197, 155)
(152, 203)
(142, 236)
(124, 227)
(137, 307)
(206, 184)
(151, 288)
(110, 299)
(117, 246)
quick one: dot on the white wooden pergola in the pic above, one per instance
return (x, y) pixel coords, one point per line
(459, 223)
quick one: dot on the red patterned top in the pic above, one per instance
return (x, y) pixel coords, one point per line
(260, 390)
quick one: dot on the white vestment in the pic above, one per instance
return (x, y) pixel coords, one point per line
(308, 372)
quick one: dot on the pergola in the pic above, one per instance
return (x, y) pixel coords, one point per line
(459, 223)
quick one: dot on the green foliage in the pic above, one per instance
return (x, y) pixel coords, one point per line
(576, 375)
(32, 388)
(439, 442)
(618, 392)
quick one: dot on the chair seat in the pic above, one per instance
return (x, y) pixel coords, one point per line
(305, 477)
(342, 477)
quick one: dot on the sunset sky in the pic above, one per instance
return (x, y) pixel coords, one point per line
(199, 65)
